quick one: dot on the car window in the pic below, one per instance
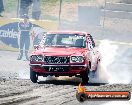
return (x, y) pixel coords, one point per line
(66, 40)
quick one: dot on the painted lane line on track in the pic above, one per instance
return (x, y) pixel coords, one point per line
(117, 42)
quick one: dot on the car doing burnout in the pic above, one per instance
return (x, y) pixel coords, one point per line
(63, 54)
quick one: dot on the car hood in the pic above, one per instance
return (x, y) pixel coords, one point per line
(55, 51)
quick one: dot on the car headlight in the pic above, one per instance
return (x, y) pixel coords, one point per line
(77, 59)
(37, 58)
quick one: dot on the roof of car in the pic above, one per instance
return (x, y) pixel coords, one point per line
(67, 32)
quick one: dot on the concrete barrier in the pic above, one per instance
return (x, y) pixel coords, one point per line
(118, 7)
(118, 10)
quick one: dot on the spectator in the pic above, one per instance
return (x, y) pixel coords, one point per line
(36, 11)
(24, 7)
(24, 29)
(1, 7)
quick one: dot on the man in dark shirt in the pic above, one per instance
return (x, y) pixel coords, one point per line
(24, 29)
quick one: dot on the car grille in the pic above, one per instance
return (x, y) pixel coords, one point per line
(56, 60)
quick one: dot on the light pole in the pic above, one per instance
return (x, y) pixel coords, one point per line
(104, 14)
(60, 13)
(18, 8)
(104, 18)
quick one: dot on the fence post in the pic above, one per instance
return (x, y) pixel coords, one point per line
(60, 13)
(18, 8)
(104, 17)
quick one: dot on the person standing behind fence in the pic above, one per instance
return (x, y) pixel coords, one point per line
(36, 10)
(24, 7)
(24, 29)
(1, 7)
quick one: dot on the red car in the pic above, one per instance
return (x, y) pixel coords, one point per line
(63, 54)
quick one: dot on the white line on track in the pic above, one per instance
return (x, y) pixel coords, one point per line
(117, 42)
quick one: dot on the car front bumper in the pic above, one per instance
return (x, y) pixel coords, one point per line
(69, 70)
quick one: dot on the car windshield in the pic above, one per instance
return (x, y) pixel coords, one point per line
(65, 40)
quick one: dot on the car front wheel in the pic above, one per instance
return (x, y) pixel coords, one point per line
(33, 76)
(85, 77)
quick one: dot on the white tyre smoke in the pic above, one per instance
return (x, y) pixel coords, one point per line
(112, 67)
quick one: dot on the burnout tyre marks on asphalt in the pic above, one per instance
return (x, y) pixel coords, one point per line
(54, 98)
(17, 88)
(17, 99)
(23, 94)
(14, 94)
(54, 94)
(41, 91)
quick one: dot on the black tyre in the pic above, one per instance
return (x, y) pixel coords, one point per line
(33, 76)
(85, 77)
(81, 97)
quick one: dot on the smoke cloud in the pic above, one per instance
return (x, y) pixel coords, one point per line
(115, 64)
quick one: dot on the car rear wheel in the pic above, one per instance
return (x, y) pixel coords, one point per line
(85, 77)
(33, 76)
